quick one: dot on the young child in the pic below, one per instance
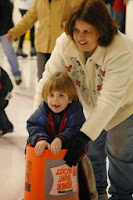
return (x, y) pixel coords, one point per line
(58, 119)
(56, 124)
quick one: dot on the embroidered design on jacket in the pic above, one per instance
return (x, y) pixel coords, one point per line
(99, 74)
(68, 68)
(78, 83)
(76, 72)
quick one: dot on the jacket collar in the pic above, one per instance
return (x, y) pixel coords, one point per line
(98, 56)
(72, 50)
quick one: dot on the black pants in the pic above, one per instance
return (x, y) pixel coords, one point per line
(5, 124)
(42, 58)
(31, 33)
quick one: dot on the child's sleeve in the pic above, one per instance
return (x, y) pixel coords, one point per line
(36, 127)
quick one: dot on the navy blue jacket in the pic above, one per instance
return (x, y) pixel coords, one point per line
(43, 124)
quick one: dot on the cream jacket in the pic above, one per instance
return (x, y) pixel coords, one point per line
(51, 16)
(104, 82)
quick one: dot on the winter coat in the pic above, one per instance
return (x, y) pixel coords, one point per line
(5, 16)
(104, 82)
(6, 86)
(46, 125)
(51, 16)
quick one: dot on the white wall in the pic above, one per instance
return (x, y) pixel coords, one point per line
(129, 19)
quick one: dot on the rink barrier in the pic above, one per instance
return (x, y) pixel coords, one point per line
(48, 177)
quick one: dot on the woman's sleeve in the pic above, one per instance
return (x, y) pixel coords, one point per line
(26, 23)
(115, 84)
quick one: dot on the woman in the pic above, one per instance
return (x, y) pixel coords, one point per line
(99, 59)
(119, 13)
(52, 16)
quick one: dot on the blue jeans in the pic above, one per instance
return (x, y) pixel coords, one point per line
(117, 144)
(11, 56)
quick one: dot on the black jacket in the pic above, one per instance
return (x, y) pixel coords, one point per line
(109, 1)
(5, 85)
(5, 16)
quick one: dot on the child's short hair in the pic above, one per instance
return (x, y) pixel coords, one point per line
(60, 82)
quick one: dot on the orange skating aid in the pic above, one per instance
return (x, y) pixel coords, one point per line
(48, 177)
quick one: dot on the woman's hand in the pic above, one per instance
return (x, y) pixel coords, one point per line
(40, 147)
(8, 37)
(77, 149)
(56, 146)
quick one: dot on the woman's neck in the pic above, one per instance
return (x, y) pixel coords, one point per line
(91, 52)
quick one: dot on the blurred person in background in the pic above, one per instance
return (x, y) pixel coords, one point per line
(109, 4)
(6, 8)
(119, 13)
(24, 5)
(52, 16)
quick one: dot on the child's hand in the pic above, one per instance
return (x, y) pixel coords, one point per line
(40, 147)
(56, 145)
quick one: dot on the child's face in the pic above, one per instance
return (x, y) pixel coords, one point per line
(58, 101)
